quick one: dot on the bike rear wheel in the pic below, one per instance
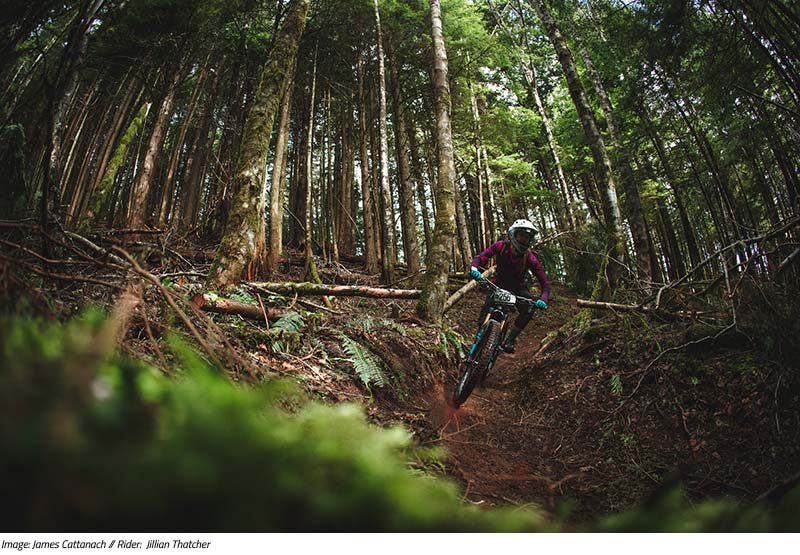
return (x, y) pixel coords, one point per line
(475, 369)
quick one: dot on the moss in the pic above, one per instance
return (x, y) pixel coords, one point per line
(597, 331)
(705, 336)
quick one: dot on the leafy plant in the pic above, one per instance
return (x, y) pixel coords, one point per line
(290, 322)
(451, 337)
(364, 363)
(616, 385)
(369, 323)
(286, 330)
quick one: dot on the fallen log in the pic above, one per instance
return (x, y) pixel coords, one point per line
(458, 295)
(214, 303)
(307, 288)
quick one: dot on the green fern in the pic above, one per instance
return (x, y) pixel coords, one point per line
(616, 385)
(449, 335)
(291, 322)
(367, 368)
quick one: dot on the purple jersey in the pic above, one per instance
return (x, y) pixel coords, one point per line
(511, 267)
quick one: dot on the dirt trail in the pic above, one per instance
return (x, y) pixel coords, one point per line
(505, 441)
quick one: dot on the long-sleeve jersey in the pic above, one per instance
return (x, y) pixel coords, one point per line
(511, 267)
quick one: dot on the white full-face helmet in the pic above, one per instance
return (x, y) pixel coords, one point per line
(521, 241)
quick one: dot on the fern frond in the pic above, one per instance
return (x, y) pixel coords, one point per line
(367, 368)
(291, 321)
(616, 385)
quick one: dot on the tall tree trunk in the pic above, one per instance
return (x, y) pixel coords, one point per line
(311, 273)
(170, 181)
(408, 217)
(531, 80)
(116, 117)
(420, 181)
(434, 283)
(139, 211)
(387, 222)
(278, 175)
(370, 244)
(615, 244)
(480, 214)
(462, 242)
(238, 242)
(59, 96)
(633, 202)
(101, 192)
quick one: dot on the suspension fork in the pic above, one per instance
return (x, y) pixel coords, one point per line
(500, 341)
(479, 334)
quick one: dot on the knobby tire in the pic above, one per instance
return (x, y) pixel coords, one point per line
(473, 372)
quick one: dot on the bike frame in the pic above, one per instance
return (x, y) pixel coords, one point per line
(499, 313)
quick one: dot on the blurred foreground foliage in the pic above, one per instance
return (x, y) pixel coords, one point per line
(92, 440)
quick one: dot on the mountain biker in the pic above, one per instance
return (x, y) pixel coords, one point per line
(514, 260)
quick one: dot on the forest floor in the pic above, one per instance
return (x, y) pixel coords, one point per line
(508, 443)
(616, 407)
(593, 427)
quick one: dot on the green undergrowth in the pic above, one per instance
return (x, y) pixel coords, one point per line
(95, 440)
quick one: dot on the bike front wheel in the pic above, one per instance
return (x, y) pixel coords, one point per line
(474, 369)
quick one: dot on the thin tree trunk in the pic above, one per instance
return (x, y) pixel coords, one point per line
(408, 217)
(633, 202)
(615, 246)
(418, 178)
(278, 176)
(139, 207)
(168, 187)
(311, 273)
(370, 245)
(387, 222)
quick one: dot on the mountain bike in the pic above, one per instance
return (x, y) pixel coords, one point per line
(488, 341)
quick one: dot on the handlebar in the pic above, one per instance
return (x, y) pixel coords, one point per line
(495, 287)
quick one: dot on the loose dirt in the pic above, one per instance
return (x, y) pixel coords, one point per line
(505, 441)
(591, 429)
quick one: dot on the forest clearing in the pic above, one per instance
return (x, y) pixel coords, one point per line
(255, 255)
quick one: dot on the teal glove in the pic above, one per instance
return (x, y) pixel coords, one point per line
(541, 304)
(475, 273)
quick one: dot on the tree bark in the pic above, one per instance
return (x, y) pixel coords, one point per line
(139, 211)
(307, 288)
(278, 175)
(434, 284)
(388, 258)
(370, 244)
(633, 202)
(238, 242)
(311, 273)
(408, 217)
(101, 192)
(219, 305)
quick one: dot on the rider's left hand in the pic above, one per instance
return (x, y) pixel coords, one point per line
(540, 304)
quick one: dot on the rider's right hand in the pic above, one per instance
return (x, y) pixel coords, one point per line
(475, 273)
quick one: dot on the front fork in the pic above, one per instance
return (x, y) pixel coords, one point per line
(480, 334)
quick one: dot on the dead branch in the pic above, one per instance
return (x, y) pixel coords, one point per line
(66, 278)
(638, 308)
(789, 259)
(783, 228)
(99, 250)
